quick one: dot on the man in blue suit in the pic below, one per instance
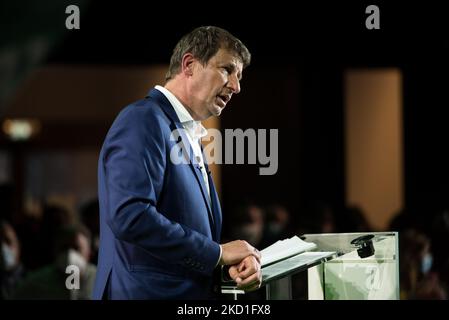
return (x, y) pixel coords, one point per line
(160, 218)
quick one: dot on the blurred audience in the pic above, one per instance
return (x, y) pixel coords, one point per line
(403, 221)
(33, 262)
(38, 236)
(11, 268)
(278, 225)
(248, 224)
(354, 220)
(415, 264)
(90, 217)
(318, 217)
(439, 235)
(72, 249)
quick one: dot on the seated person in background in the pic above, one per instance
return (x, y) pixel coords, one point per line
(277, 226)
(11, 269)
(70, 276)
(417, 281)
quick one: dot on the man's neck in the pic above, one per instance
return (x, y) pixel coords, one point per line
(180, 92)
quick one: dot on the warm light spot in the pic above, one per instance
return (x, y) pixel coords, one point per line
(21, 129)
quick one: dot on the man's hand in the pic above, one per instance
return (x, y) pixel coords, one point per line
(247, 274)
(235, 251)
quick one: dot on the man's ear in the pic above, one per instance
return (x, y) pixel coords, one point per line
(188, 63)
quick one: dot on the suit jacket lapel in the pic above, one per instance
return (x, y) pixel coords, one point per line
(194, 166)
(216, 209)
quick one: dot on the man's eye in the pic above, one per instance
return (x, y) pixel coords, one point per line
(227, 70)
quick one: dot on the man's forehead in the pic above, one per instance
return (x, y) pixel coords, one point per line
(224, 55)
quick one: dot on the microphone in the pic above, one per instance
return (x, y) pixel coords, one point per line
(198, 161)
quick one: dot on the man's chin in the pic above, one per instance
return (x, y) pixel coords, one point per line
(216, 111)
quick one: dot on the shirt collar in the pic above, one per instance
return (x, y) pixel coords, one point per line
(195, 128)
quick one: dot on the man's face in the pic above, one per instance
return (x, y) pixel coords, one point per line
(214, 84)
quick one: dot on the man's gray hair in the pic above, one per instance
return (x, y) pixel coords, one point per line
(203, 43)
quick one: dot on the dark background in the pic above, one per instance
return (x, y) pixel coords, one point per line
(307, 47)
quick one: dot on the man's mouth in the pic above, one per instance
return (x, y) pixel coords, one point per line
(224, 99)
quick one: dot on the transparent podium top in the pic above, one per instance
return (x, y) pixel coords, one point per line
(378, 245)
(366, 266)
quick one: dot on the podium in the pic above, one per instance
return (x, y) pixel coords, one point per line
(344, 266)
(351, 276)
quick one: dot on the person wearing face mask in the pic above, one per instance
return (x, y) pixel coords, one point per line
(56, 281)
(160, 216)
(11, 269)
(417, 280)
(426, 262)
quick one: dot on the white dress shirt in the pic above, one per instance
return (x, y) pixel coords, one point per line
(195, 131)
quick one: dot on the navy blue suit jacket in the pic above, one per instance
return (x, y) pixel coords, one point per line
(159, 232)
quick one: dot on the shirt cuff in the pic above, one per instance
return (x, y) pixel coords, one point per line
(219, 258)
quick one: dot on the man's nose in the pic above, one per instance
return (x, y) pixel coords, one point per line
(234, 84)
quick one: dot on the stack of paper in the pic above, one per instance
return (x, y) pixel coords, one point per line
(283, 249)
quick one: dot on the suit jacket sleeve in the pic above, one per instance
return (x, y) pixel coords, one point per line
(134, 159)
